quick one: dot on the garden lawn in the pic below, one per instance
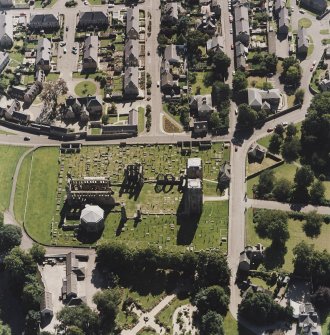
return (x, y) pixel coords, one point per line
(296, 235)
(165, 317)
(286, 171)
(38, 4)
(327, 189)
(41, 201)
(85, 88)
(141, 120)
(52, 76)
(169, 126)
(232, 327)
(9, 159)
(304, 22)
(200, 83)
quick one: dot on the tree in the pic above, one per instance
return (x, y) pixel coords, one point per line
(213, 298)
(299, 96)
(32, 322)
(293, 75)
(220, 93)
(321, 297)
(304, 177)
(81, 317)
(260, 308)
(195, 39)
(38, 253)
(317, 192)
(287, 62)
(4, 329)
(221, 63)
(212, 324)
(10, 237)
(240, 82)
(266, 183)
(247, 116)
(215, 122)
(273, 225)
(107, 302)
(282, 190)
(291, 149)
(32, 293)
(275, 143)
(313, 224)
(291, 130)
(52, 90)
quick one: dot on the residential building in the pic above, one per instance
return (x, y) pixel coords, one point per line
(92, 219)
(43, 56)
(171, 54)
(302, 41)
(131, 81)
(317, 6)
(251, 257)
(256, 153)
(47, 22)
(6, 3)
(308, 319)
(4, 60)
(92, 20)
(279, 4)
(216, 7)
(283, 21)
(132, 53)
(46, 305)
(90, 58)
(133, 117)
(17, 92)
(267, 100)
(171, 11)
(207, 24)
(32, 92)
(215, 43)
(241, 55)
(200, 128)
(201, 106)
(87, 107)
(132, 23)
(6, 32)
(242, 27)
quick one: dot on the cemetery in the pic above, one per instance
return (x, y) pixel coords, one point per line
(144, 190)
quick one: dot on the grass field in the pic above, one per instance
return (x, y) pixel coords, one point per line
(304, 22)
(10, 156)
(4, 132)
(169, 126)
(231, 326)
(200, 83)
(85, 88)
(296, 235)
(160, 224)
(146, 331)
(141, 122)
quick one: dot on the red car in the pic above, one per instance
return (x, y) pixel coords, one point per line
(269, 130)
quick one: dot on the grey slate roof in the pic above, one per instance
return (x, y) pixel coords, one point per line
(241, 20)
(91, 48)
(216, 42)
(43, 51)
(171, 9)
(133, 117)
(283, 19)
(6, 26)
(95, 19)
(41, 21)
(302, 40)
(131, 80)
(132, 19)
(171, 54)
(131, 50)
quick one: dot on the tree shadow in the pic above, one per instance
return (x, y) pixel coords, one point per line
(274, 255)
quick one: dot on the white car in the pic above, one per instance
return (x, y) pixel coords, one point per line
(64, 50)
(111, 5)
(301, 11)
(62, 44)
(314, 63)
(231, 30)
(158, 84)
(284, 124)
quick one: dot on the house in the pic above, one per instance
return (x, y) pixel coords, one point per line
(207, 24)
(131, 81)
(6, 3)
(6, 32)
(32, 92)
(12, 113)
(201, 105)
(279, 4)
(171, 55)
(120, 130)
(200, 128)
(17, 92)
(132, 53)
(4, 60)
(92, 219)
(216, 7)
(87, 108)
(325, 84)
(244, 262)
(47, 22)
(240, 55)
(224, 175)
(267, 100)
(327, 53)
(46, 305)
(92, 20)
(256, 153)
(91, 48)
(283, 21)
(307, 319)
(43, 55)
(171, 12)
(133, 117)
(132, 23)
(251, 257)
(302, 41)
(317, 6)
(215, 43)
(242, 27)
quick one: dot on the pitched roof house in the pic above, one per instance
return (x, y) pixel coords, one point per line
(32, 92)
(44, 22)
(46, 305)
(43, 56)
(240, 55)
(302, 41)
(215, 43)
(283, 21)
(132, 23)
(171, 54)
(318, 6)
(242, 27)
(91, 48)
(171, 11)
(132, 53)
(6, 31)
(131, 81)
(257, 98)
(4, 60)
(6, 3)
(202, 106)
(95, 19)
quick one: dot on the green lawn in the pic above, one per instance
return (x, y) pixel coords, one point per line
(258, 82)
(5, 132)
(325, 41)
(16, 56)
(79, 75)
(286, 171)
(38, 4)
(165, 316)
(9, 158)
(96, 131)
(146, 331)
(327, 189)
(200, 83)
(52, 76)
(296, 235)
(310, 46)
(304, 22)
(85, 88)
(232, 327)
(324, 31)
(95, 2)
(141, 123)
(325, 326)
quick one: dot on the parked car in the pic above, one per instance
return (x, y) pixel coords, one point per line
(314, 63)
(301, 11)
(27, 138)
(64, 50)
(312, 68)
(232, 47)
(284, 124)
(231, 30)
(269, 130)
(62, 44)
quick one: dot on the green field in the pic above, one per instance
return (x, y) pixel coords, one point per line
(159, 225)
(141, 121)
(85, 88)
(304, 22)
(200, 83)
(9, 158)
(296, 235)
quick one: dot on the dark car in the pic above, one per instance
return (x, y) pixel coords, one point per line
(27, 138)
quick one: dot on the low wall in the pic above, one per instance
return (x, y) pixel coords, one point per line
(268, 168)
